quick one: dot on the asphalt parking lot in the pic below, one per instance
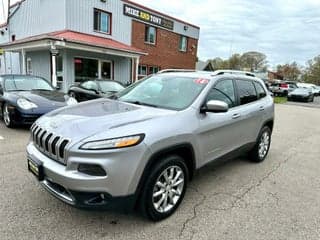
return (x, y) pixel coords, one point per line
(278, 199)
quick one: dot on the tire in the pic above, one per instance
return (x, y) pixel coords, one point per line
(263, 142)
(6, 116)
(148, 200)
(312, 99)
(73, 94)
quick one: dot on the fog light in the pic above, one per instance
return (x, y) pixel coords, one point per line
(92, 170)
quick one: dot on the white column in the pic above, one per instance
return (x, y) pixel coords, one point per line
(137, 68)
(54, 53)
(132, 70)
(23, 56)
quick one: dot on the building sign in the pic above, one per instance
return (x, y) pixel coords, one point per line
(147, 17)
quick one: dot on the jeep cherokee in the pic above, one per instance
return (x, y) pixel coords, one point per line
(140, 148)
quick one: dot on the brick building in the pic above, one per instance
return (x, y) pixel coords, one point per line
(69, 41)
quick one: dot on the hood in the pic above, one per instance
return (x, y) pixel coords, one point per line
(89, 118)
(43, 99)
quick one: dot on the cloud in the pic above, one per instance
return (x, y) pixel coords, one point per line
(285, 30)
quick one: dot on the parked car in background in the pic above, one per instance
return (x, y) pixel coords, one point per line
(24, 98)
(282, 88)
(301, 94)
(141, 149)
(93, 89)
(315, 90)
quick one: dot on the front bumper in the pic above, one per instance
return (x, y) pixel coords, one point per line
(115, 190)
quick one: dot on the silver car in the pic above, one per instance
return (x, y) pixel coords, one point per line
(142, 147)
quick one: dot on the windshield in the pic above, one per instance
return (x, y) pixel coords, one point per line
(108, 86)
(26, 83)
(170, 92)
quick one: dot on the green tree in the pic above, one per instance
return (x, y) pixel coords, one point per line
(290, 71)
(312, 71)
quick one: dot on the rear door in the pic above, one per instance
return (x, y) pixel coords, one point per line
(89, 91)
(252, 107)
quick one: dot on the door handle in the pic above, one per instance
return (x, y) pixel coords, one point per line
(236, 115)
(261, 108)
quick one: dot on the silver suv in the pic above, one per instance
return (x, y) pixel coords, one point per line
(140, 148)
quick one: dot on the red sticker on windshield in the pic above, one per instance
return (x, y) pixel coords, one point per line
(201, 81)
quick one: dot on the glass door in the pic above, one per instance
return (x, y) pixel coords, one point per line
(106, 70)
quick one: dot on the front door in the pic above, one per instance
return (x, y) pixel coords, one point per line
(220, 133)
(106, 70)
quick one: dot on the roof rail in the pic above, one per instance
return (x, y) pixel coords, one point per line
(221, 72)
(176, 70)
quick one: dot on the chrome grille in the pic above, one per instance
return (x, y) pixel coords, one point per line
(49, 143)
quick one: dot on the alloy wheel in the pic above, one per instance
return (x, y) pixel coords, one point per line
(264, 144)
(6, 115)
(168, 189)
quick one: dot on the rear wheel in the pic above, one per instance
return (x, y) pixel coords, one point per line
(164, 188)
(7, 116)
(261, 149)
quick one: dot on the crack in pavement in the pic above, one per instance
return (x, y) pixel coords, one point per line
(237, 197)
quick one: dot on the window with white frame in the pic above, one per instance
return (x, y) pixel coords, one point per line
(102, 21)
(183, 43)
(153, 69)
(142, 70)
(150, 34)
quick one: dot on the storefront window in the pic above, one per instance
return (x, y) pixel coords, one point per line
(86, 69)
(183, 43)
(150, 34)
(102, 21)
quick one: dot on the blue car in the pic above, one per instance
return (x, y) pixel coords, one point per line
(24, 98)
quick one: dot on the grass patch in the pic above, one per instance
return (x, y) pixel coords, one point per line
(280, 100)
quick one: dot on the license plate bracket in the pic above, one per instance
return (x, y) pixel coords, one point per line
(36, 168)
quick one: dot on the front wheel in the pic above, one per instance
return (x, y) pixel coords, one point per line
(261, 149)
(164, 188)
(73, 95)
(7, 116)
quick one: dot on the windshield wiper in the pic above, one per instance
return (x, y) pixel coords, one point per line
(142, 104)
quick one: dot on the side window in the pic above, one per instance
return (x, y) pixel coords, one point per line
(247, 92)
(223, 91)
(260, 91)
(90, 85)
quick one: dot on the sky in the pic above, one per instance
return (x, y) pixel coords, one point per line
(285, 30)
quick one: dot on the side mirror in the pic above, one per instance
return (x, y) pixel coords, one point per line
(215, 106)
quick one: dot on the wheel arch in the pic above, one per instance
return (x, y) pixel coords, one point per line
(184, 150)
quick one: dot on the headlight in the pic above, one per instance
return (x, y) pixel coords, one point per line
(26, 104)
(114, 143)
(71, 101)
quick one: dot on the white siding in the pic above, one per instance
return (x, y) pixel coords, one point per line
(36, 17)
(40, 61)
(80, 18)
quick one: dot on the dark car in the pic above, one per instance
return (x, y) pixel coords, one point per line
(24, 98)
(301, 94)
(93, 89)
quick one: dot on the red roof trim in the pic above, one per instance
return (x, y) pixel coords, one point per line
(81, 38)
(160, 13)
